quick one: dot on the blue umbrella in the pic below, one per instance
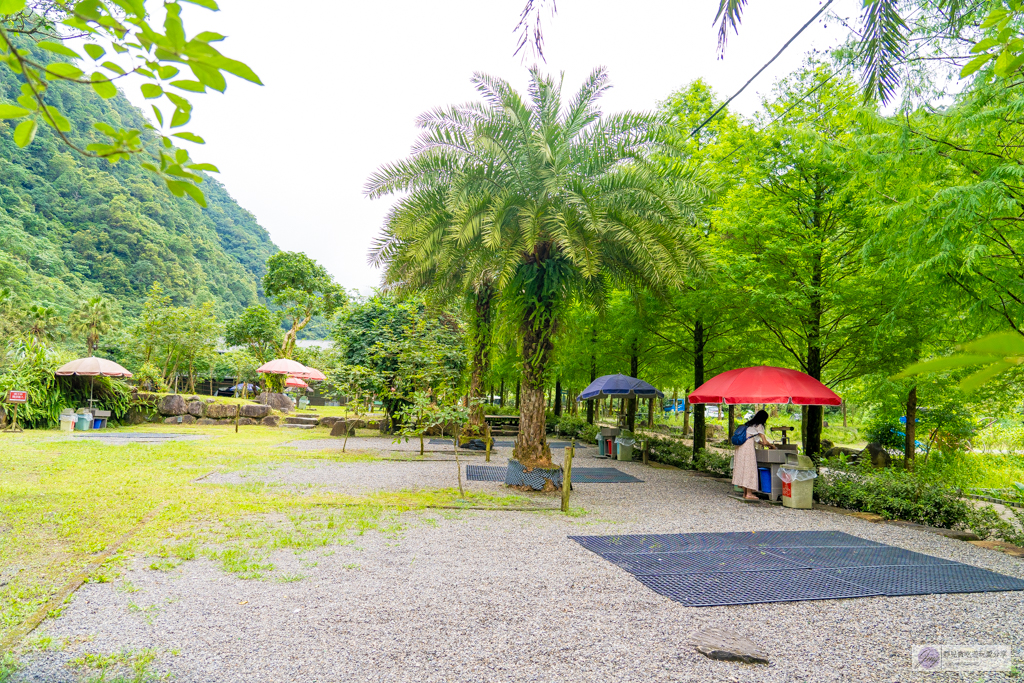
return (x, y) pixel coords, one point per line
(619, 386)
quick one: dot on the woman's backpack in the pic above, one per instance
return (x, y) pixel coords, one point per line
(739, 437)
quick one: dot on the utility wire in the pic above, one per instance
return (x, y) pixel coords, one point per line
(788, 42)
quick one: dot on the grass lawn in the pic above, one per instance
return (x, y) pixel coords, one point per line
(63, 501)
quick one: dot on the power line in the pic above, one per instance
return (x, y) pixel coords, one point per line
(788, 42)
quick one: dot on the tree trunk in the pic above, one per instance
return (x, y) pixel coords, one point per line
(844, 414)
(593, 372)
(814, 413)
(699, 425)
(650, 413)
(910, 448)
(501, 394)
(686, 410)
(531, 447)
(558, 397)
(732, 420)
(634, 370)
(517, 394)
(481, 361)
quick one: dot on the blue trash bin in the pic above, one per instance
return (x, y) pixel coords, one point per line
(765, 476)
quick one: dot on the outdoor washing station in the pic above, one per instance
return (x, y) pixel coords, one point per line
(784, 471)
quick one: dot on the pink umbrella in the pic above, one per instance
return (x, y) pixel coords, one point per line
(312, 374)
(92, 367)
(296, 382)
(283, 366)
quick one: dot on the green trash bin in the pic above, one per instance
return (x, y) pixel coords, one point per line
(84, 422)
(624, 448)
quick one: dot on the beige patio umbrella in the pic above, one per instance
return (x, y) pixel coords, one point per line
(92, 367)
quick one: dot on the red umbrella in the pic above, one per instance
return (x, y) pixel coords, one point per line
(765, 384)
(296, 382)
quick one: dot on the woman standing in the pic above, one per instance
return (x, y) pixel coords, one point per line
(744, 467)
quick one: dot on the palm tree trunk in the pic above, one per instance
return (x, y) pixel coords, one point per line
(531, 447)
(481, 350)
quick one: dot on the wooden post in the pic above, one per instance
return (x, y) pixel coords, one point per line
(567, 478)
(647, 447)
(650, 413)
(487, 436)
(458, 464)
(844, 414)
(238, 411)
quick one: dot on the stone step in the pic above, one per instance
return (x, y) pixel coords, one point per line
(300, 420)
(295, 426)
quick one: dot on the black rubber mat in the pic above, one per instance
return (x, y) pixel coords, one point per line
(581, 475)
(656, 543)
(847, 556)
(805, 539)
(745, 588)
(927, 579)
(701, 561)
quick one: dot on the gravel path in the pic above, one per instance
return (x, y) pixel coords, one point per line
(505, 596)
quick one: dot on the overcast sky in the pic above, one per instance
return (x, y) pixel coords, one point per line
(344, 82)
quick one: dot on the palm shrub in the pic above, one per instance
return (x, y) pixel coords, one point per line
(545, 202)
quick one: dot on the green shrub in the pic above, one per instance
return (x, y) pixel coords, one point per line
(149, 378)
(670, 452)
(893, 494)
(987, 523)
(588, 433)
(571, 425)
(714, 463)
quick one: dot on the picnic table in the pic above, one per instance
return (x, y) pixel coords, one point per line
(504, 425)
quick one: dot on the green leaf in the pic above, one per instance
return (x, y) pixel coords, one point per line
(58, 48)
(151, 91)
(63, 70)
(111, 66)
(196, 194)
(974, 65)
(167, 72)
(984, 45)
(180, 118)
(208, 4)
(208, 76)
(133, 7)
(993, 18)
(11, 6)
(191, 137)
(94, 50)
(58, 120)
(998, 344)
(9, 111)
(191, 86)
(25, 133)
(177, 187)
(237, 68)
(103, 87)
(210, 168)
(946, 363)
(90, 9)
(159, 115)
(105, 128)
(209, 37)
(983, 376)
(1002, 67)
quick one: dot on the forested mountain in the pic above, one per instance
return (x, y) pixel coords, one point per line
(72, 226)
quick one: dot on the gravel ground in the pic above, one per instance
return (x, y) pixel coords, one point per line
(505, 596)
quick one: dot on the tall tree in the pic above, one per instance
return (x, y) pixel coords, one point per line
(558, 200)
(304, 288)
(258, 329)
(93, 319)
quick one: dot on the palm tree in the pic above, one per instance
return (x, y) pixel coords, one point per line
(41, 319)
(93, 319)
(548, 202)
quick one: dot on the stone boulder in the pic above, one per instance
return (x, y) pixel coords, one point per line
(343, 428)
(221, 410)
(246, 421)
(716, 643)
(193, 398)
(271, 421)
(852, 454)
(329, 421)
(207, 421)
(255, 410)
(276, 401)
(137, 417)
(878, 455)
(180, 419)
(172, 405)
(195, 408)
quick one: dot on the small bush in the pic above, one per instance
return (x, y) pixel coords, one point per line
(893, 494)
(709, 461)
(588, 433)
(670, 452)
(572, 426)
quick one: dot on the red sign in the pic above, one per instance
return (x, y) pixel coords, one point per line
(787, 490)
(17, 396)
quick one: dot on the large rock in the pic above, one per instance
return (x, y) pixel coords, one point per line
(330, 421)
(717, 643)
(221, 410)
(852, 454)
(256, 410)
(878, 455)
(271, 421)
(207, 421)
(343, 428)
(246, 421)
(193, 398)
(195, 408)
(180, 419)
(136, 416)
(172, 404)
(276, 401)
